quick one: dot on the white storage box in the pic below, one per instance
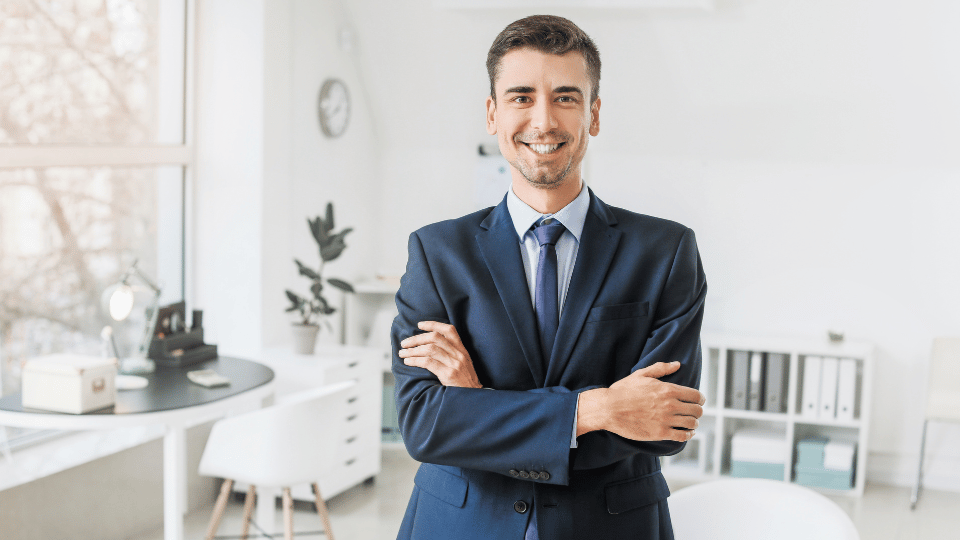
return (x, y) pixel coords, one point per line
(69, 383)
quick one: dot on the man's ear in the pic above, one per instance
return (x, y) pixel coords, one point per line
(491, 116)
(595, 118)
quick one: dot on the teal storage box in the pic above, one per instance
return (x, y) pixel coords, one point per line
(824, 478)
(810, 452)
(749, 469)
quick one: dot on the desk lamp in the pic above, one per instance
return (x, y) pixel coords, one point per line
(118, 299)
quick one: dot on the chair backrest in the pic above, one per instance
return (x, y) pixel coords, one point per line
(753, 509)
(286, 444)
(943, 394)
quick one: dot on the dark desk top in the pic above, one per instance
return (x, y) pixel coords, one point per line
(169, 388)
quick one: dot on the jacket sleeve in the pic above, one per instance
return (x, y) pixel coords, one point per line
(491, 430)
(675, 336)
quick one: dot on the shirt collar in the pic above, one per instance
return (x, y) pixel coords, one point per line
(572, 216)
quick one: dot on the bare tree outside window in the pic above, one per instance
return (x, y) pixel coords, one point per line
(80, 73)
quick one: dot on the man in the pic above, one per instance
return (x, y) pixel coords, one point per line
(546, 350)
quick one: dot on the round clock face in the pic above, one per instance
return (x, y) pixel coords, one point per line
(334, 109)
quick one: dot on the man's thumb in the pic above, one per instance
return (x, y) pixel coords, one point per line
(660, 369)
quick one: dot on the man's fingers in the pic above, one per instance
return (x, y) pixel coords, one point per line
(690, 409)
(660, 369)
(446, 330)
(686, 422)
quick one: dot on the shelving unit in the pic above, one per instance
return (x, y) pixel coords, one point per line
(708, 454)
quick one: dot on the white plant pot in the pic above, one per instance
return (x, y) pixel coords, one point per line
(305, 338)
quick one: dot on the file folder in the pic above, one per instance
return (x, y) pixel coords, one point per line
(755, 389)
(828, 388)
(739, 376)
(811, 387)
(775, 388)
(846, 388)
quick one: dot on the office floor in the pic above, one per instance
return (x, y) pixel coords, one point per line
(374, 512)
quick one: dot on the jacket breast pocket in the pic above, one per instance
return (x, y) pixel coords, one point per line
(618, 311)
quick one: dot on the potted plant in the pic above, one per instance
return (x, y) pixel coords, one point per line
(315, 307)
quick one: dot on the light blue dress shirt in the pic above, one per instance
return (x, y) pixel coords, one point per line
(572, 216)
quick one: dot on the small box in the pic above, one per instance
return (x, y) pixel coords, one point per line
(69, 383)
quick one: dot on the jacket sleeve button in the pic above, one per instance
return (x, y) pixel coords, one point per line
(514, 473)
(520, 507)
(544, 476)
(524, 475)
(534, 475)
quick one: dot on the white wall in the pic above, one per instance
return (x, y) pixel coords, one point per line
(264, 167)
(812, 146)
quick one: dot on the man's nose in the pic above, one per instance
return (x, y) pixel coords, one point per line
(543, 117)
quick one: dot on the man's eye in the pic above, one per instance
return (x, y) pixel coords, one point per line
(522, 99)
(566, 99)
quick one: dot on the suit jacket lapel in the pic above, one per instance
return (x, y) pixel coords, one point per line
(598, 244)
(501, 251)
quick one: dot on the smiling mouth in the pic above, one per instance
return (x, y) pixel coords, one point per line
(544, 148)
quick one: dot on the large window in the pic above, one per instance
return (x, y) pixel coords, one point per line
(94, 165)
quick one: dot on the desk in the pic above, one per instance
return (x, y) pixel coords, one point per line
(169, 399)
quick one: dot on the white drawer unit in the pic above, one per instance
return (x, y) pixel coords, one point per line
(358, 448)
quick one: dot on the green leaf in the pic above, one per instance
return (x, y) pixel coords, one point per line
(334, 247)
(329, 216)
(341, 284)
(307, 271)
(316, 288)
(294, 297)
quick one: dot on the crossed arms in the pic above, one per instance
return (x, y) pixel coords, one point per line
(639, 407)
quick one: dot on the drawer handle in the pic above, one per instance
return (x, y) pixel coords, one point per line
(351, 418)
(350, 462)
(351, 440)
(353, 364)
(354, 398)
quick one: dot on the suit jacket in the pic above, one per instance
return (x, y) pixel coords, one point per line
(636, 297)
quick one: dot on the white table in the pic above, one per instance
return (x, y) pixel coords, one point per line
(169, 400)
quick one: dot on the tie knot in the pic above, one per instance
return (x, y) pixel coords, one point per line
(549, 231)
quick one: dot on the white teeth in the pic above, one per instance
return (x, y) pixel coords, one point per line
(544, 148)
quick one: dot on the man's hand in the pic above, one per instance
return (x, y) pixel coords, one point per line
(440, 352)
(643, 408)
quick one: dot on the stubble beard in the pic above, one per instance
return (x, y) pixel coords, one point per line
(549, 179)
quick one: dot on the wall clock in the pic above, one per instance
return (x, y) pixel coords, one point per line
(334, 107)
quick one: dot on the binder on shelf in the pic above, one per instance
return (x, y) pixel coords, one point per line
(738, 380)
(811, 387)
(775, 389)
(846, 388)
(828, 388)
(755, 388)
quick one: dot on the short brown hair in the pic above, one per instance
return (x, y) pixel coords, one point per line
(548, 34)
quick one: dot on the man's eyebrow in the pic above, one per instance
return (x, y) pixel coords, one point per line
(568, 90)
(519, 90)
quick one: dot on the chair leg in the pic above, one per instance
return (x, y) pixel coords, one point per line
(322, 510)
(248, 503)
(915, 496)
(218, 508)
(287, 514)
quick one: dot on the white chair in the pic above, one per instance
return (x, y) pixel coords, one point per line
(753, 509)
(278, 446)
(943, 396)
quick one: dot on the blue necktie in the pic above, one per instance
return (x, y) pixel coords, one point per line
(547, 303)
(546, 298)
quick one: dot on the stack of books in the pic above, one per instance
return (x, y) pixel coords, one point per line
(758, 453)
(825, 463)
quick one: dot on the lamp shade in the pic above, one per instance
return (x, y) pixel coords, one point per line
(118, 300)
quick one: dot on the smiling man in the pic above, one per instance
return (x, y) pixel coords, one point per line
(547, 350)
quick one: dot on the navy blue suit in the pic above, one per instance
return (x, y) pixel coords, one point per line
(636, 297)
